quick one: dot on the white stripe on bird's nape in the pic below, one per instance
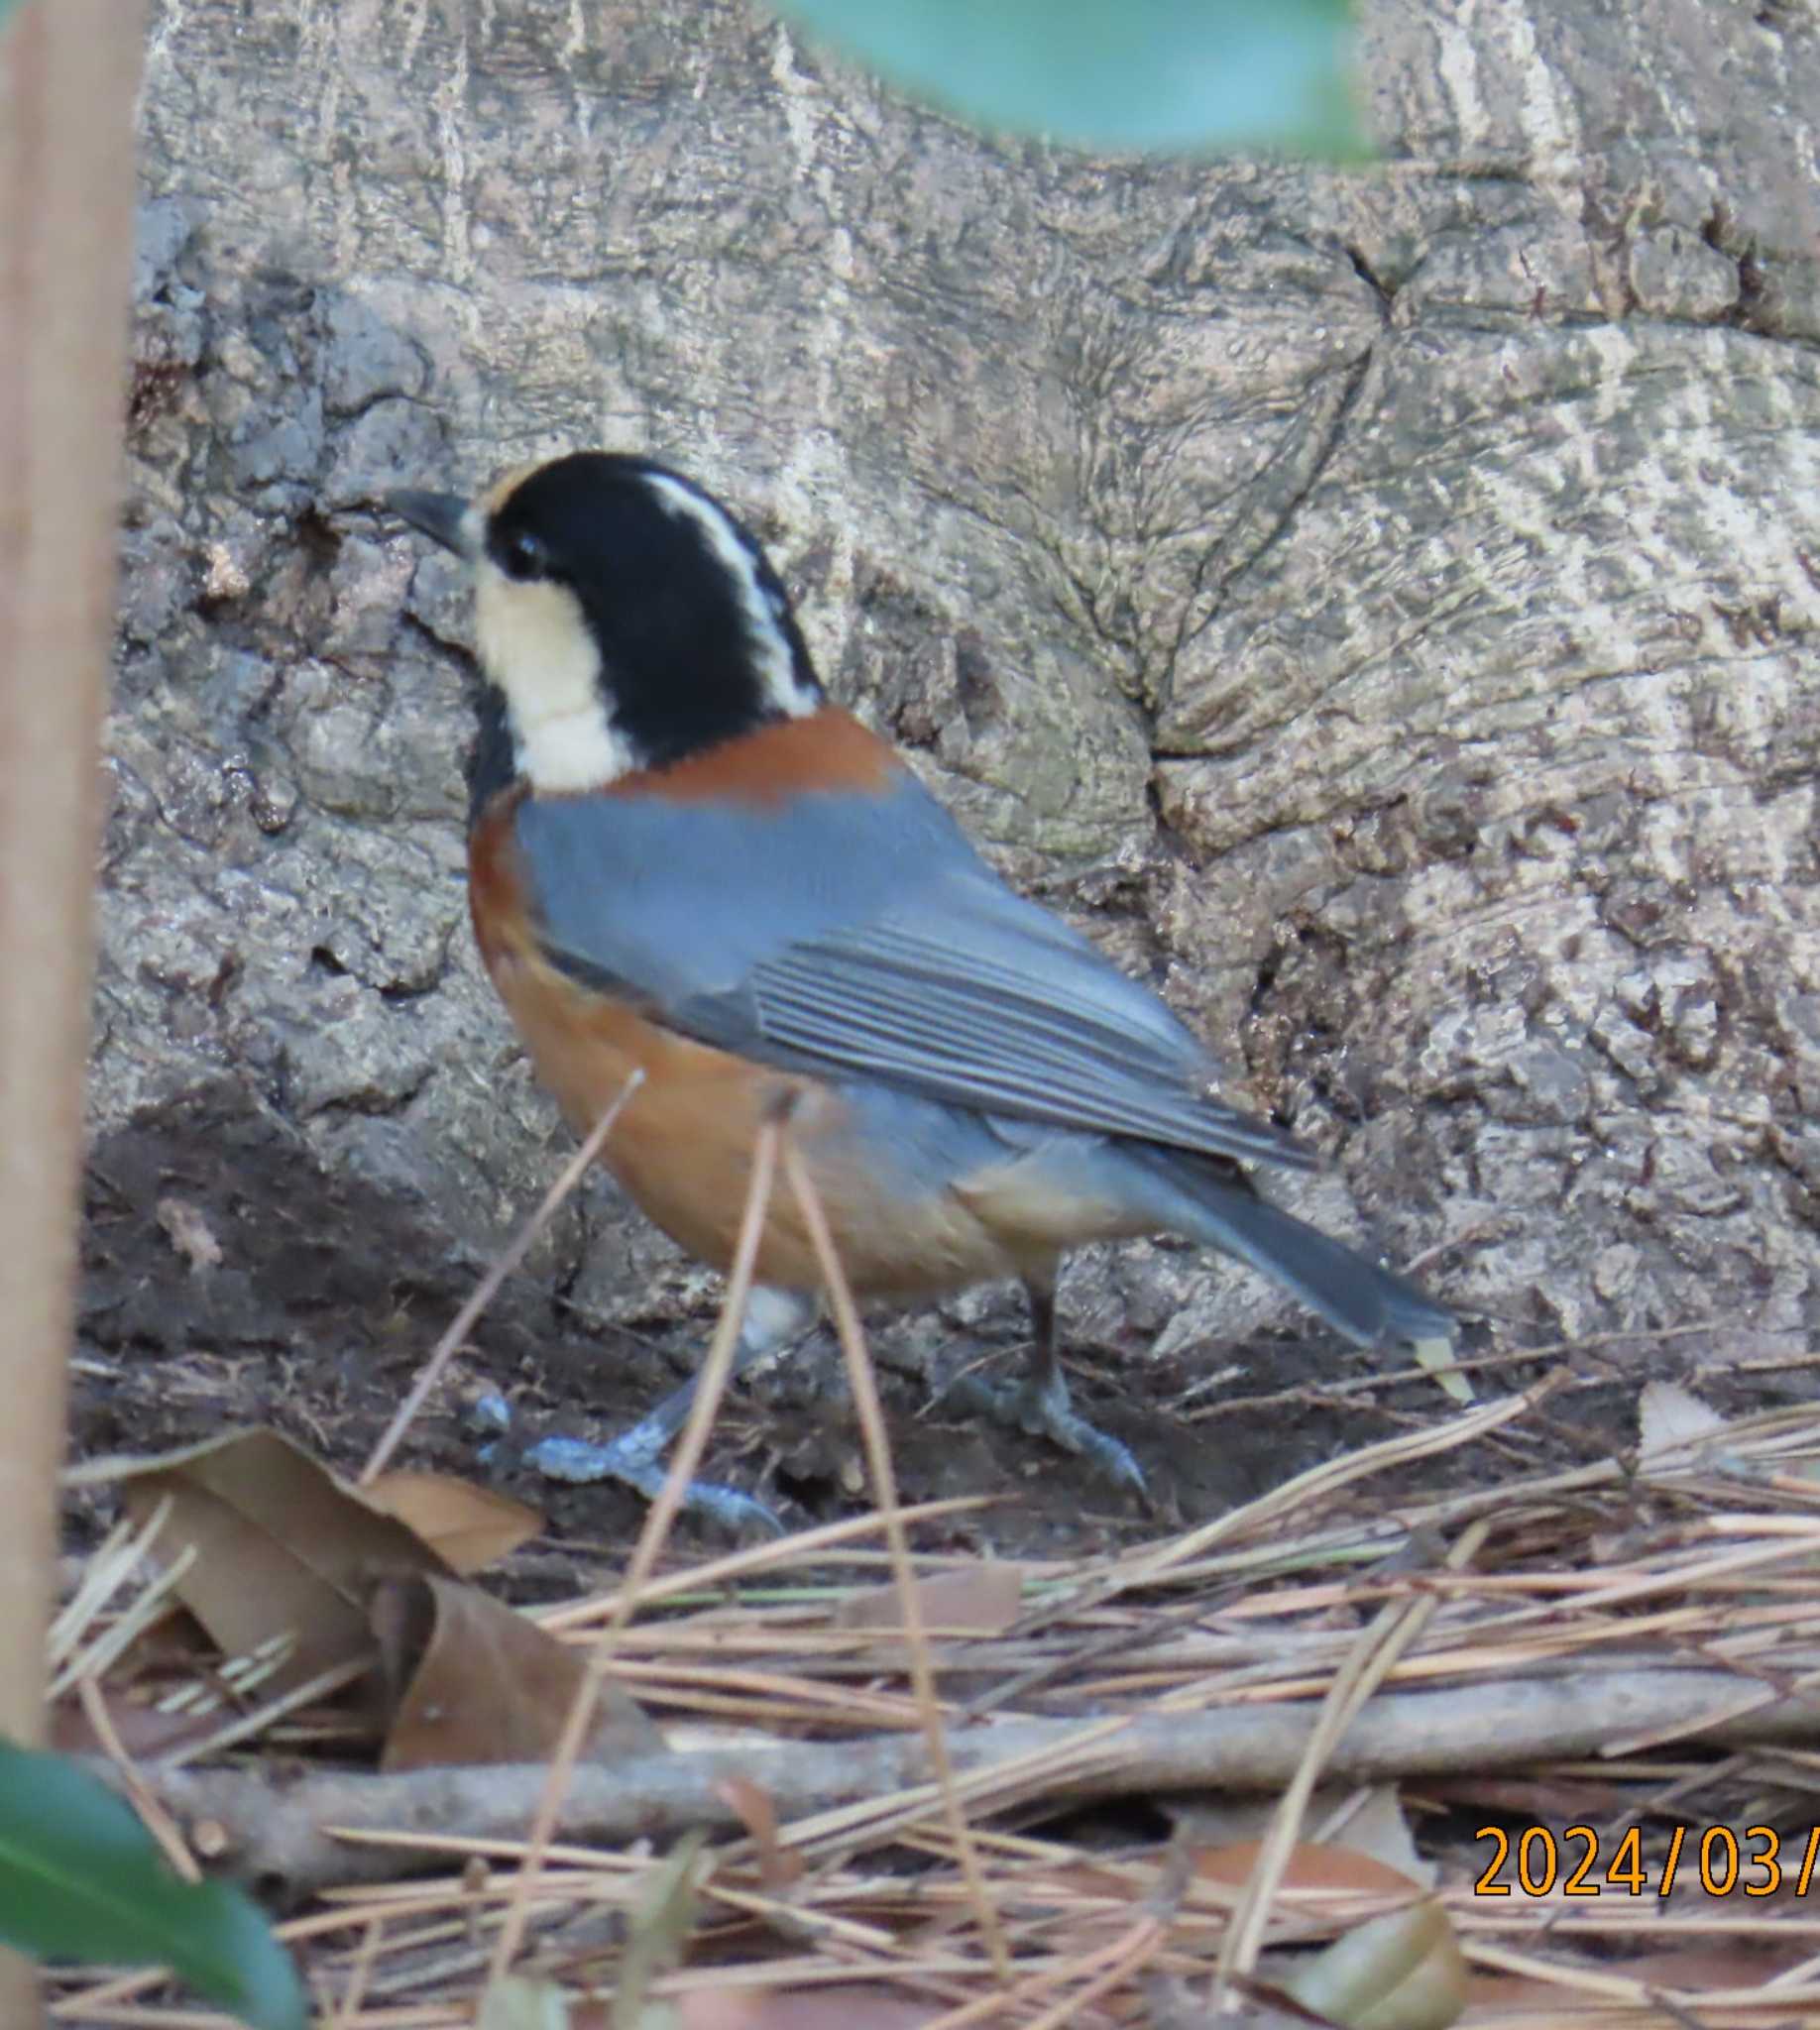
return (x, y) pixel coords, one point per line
(765, 606)
(537, 647)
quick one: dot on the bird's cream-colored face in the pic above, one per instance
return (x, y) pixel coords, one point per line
(537, 647)
(622, 618)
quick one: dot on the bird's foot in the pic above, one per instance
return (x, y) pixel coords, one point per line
(635, 1462)
(635, 1459)
(1039, 1406)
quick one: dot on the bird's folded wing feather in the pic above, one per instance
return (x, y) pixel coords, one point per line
(851, 935)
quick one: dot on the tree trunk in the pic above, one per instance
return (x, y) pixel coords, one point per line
(1377, 601)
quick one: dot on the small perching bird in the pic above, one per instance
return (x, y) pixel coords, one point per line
(684, 860)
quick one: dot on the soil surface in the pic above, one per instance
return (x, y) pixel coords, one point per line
(224, 1290)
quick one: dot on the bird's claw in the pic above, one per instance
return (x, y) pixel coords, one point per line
(1041, 1407)
(1113, 1460)
(635, 1458)
(634, 1461)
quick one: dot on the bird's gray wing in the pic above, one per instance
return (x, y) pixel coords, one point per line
(860, 936)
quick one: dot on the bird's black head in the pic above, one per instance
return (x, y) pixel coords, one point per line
(622, 616)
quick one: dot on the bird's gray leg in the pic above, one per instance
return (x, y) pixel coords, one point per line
(635, 1456)
(1040, 1403)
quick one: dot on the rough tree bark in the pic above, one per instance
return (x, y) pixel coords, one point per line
(1379, 601)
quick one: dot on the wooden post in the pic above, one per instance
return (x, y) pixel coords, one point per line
(68, 72)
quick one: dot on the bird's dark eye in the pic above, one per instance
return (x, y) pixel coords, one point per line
(522, 555)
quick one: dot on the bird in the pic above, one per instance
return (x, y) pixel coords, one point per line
(687, 862)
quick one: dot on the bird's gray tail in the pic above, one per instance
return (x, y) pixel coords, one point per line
(1370, 1305)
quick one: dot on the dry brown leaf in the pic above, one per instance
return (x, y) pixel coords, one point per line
(977, 1600)
(1314, 1869)
(1311, 1866)
(1536, 1800)
(469, 1526)
(286, 1553)
(1403, 1971)
(476, 1682)
(757, 1809)
(141, 1729)
(864, 2007)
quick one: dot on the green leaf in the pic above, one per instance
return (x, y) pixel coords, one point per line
(81, 1879)
(1205, 74)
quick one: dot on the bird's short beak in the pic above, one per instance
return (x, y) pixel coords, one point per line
(443, 517)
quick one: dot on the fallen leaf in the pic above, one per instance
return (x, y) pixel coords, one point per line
(1403, 1971)
(1536, 1800)
(863, 2006)
(1374, 1825)
(1312, 1865)
(142, 1730)
(659, 1930)
(976, 1600)
(518, 2003)
(757, 1809)
(1672, 1420)
(286, 1555)
(475, 1682)
(469, 1526)
(1226, 1864)
(1172, 2004)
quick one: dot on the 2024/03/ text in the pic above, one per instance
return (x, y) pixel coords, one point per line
(1541, 1863)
